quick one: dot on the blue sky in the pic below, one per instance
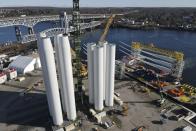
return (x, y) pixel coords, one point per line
(101, 3)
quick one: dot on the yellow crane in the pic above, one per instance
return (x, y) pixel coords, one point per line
(83, 70)
(107, 27)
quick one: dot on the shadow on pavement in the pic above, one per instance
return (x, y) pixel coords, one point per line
(28, 110)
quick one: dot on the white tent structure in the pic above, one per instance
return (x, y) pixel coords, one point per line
(38, 63)
(23, 64)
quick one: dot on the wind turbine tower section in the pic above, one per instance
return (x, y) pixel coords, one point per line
(98, 77)
(67, 75)
(50, 80)
(110, 74)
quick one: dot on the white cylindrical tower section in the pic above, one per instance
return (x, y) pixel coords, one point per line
(98, 77)
(104, 68)
(50, 79)
(110, 75)
(90, 54)
(58, 53)
(67, 73)
(45, 69)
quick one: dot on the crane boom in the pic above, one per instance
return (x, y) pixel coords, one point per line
(107, 27)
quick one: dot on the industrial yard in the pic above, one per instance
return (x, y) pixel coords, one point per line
(109, 94)
(40, 93)
(63, 84)
(143, 110)
(27, 109)
(126, 105)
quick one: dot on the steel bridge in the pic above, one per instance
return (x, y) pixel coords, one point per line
(54, 31)
(30, 21)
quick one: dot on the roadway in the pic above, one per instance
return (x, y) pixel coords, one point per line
(31, 21)
(55, 31)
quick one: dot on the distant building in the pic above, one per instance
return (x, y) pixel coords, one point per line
(188, 19)
(3, 78)
(11, 73)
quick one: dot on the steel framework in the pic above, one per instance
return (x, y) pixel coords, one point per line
(77, 41)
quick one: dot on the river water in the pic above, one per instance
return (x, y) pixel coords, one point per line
(173, 40)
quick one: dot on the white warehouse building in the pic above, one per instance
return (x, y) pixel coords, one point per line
(23, 64)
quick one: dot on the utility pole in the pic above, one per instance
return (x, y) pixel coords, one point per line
(77, 48)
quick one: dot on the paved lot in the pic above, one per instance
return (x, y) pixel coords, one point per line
(142, 112)
(23, 112)
(30, 112)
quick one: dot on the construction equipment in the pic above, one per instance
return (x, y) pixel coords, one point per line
(184, 99)
(145, 90)
(139, 128)
(175, 92)
(160, 102)
(160, 84)
(125, 110)
(107, 27)
(83, 71)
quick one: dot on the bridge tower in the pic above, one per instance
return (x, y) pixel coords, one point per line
(30, 30)
(18, 34)
(77, 48)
